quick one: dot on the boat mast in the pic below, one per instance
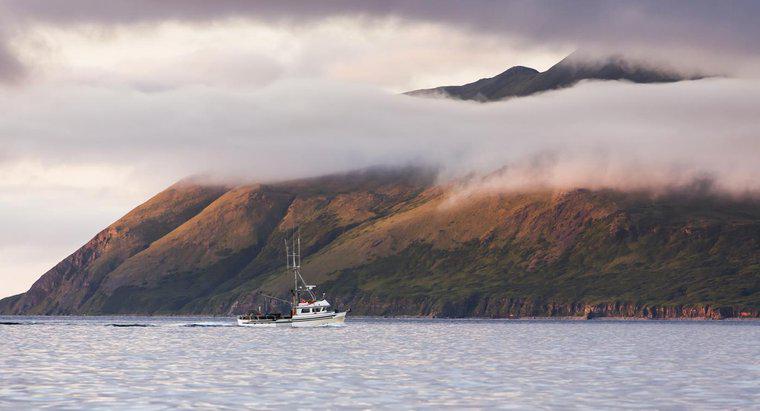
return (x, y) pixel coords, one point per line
(294, 263)
(294, 292)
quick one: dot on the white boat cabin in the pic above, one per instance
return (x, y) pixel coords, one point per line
(311, 308)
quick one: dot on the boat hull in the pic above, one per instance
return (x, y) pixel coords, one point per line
(332, 319)
(263, 323)
(336, 319)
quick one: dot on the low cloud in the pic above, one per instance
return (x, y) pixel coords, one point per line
(597, 134)
(12, 70)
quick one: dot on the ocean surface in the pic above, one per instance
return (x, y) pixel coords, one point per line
(202, 363)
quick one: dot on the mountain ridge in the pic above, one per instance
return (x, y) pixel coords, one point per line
(390, 242)
(521, 81)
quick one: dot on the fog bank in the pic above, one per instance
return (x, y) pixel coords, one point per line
(597, 134)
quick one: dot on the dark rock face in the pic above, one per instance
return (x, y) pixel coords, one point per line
(513, 82)
(389, 242)
(505, 307)
(523, 81)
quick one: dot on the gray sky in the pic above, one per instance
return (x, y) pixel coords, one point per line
(106, 103)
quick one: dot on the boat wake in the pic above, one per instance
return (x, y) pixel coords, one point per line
(208, 325)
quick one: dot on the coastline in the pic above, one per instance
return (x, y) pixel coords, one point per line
(402, 317)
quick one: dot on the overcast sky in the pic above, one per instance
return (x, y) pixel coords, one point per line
(106, 103)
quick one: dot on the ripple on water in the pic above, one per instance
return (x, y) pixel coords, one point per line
(135, 362)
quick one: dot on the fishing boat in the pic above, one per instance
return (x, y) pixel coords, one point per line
(305, 309)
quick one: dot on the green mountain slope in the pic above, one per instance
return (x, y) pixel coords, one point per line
(392, 242)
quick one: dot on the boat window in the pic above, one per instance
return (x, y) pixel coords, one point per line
(305, 310)
(317, 309)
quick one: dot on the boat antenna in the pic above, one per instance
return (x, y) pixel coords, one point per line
(299, 246)
(293, 253)
(294, 291)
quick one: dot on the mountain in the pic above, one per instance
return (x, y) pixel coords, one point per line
(521, 81)
(393, 242)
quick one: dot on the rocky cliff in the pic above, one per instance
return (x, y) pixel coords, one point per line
(392, 242)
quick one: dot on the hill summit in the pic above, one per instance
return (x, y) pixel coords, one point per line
(521, 81)
(393, 242)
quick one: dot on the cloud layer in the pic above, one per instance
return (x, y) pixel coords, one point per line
(598, 133)
(717, 36)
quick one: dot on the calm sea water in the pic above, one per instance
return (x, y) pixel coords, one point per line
(159, 363)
